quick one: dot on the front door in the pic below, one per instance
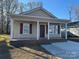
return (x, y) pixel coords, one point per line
(42, 31)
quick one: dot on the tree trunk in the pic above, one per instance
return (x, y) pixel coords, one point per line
(2, 16)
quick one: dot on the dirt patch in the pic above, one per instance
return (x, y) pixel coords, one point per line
(26, 52)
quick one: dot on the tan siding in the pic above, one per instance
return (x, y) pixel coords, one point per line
(18, 35)
(39, 13)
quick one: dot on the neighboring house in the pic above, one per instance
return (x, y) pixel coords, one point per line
(73, 28)
(36, 24)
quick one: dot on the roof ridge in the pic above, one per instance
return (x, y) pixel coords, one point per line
(38, 8)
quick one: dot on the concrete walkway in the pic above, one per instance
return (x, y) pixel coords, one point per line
(64, 50)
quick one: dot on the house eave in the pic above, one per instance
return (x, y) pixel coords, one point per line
(38, 17)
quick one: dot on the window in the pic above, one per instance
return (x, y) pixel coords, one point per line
(53, 29)
(25, 28)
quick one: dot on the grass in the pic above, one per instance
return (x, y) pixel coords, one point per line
(5, 38)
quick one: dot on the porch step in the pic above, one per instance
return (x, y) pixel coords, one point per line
(36, 42)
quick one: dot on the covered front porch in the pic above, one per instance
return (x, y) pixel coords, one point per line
(42, 28)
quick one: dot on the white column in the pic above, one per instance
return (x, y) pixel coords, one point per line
(60, 30)
(11, 28)
(37, 30)
(48, 31)
(66, 31)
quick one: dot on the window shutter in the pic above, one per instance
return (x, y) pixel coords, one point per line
(58, 29)
(30, 28)
(21, 28)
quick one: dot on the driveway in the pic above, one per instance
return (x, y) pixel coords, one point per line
(64, 50)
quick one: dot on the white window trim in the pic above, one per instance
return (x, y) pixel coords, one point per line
(28, 28)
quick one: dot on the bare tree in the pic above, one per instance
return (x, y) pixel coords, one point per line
(73, 12)
(34, 4)
(1, 13)
(21, 7)
(76, 12)
(13, 7)
(70, 13)
(10, 7)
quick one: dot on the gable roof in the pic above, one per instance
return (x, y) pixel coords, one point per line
(38, 8)
(33, 14)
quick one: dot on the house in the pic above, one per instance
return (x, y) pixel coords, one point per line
(36, 24)
(73, 28)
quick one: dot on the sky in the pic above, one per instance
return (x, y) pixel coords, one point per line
(59, 8)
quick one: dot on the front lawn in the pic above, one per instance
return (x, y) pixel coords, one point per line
(5, 38)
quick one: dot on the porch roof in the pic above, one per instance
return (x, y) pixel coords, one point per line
(37, 18)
